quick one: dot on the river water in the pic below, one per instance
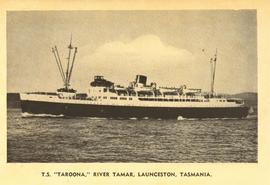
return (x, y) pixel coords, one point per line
(60, 139)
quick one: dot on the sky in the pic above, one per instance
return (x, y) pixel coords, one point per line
(172, 48)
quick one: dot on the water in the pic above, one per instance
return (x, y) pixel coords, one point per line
(58, 139)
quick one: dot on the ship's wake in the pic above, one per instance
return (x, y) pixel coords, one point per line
(29, 115)
(252, 116)
(96, 118)
(249, 117)
(179, 118)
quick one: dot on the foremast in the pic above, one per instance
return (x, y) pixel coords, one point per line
(67, 75)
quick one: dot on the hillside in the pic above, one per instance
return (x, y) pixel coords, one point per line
(251, 99)
(13, 100)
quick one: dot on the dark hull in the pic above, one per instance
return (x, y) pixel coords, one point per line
(108, 111)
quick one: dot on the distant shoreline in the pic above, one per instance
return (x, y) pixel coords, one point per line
(13, 101)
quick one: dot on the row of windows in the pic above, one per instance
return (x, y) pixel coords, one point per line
(178, 100)
(115, 98)
(175, 100)
(161, 99)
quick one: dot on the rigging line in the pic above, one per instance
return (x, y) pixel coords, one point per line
(71, 68)
(58, 65)
(62, 71)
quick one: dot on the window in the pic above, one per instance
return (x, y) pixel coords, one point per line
(238, 101)
(104, 97)
(121, 98)
(130, 98)
(113, 98)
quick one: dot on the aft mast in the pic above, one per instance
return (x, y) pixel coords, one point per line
(213, 62)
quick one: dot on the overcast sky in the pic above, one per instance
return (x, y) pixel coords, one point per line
(170, 47)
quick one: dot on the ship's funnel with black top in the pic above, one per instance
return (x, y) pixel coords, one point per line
(141, 79)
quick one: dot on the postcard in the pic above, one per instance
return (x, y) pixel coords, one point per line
(134, 92)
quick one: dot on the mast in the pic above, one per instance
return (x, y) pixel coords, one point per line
(67, 72)
(71, 68)
(213, 62)
(66, 75)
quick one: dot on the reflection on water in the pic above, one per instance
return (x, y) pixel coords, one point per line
(59, 139)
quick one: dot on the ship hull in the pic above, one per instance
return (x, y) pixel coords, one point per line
(112, 111)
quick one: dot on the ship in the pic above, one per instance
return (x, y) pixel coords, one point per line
(139, 100)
